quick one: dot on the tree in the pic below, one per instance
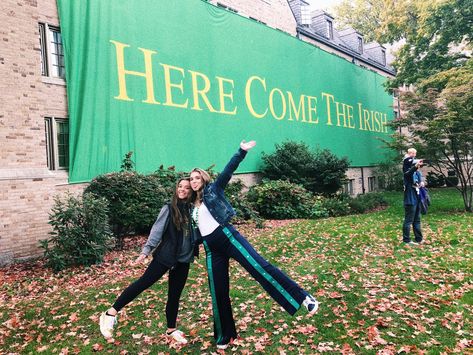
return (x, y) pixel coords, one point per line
(436, 34)
(363, 15)
(440, 118)
(435, 58)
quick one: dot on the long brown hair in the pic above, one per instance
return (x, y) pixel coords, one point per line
(178, 219)
(197, 195)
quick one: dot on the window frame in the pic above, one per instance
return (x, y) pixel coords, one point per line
(360, 44)
(372, 185)
(46, 41)
(329, 29)
(52, 142)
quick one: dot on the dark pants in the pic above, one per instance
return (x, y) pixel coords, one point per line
(177, 280)
(411, 218)
(225, 243)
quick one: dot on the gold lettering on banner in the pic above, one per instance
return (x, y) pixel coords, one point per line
(122, 72)
(283, 103)
(169, 85)
(189, 89)
(328, 97)
(202, 92)
(248, 95)
(312, 108)
(222, 95)
(292, 107)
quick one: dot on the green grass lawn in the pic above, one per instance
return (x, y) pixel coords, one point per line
(377, 295)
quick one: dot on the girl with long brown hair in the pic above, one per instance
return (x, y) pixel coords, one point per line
(174, 250)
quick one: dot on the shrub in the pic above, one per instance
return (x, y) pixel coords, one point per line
(435, 180)
(336, 206)
(280, 199)
(239, 201)
(319, 172)
(366, 202)
(80, 232)
(451, 181)
(134, 199)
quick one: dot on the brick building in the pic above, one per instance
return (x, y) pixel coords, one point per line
(33, 114)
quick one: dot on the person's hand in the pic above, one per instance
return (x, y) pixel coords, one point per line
(419, 163)
(140, 259)
(247, 145)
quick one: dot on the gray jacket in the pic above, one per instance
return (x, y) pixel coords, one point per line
(157, 231)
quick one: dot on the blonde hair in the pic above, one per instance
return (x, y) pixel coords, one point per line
(412, 150)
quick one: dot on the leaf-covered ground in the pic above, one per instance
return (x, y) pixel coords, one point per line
(377, 296)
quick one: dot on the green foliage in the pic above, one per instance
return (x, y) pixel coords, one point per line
(451, 181)
(362, 15)
(239, 201)
(440, 118)
(337, 206)
(128, 164)
(435, 180)
(80, 232)
(134, 199)
(390, 176)
(366, 202)
(281, 199)
(320, 172)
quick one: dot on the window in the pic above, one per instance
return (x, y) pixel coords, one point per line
(329, 29)
(372, 183)
(383, 57)
(360, 45)
(255, 19)
(52, 51)
(305, 15)
(348, 188)
(57, 143)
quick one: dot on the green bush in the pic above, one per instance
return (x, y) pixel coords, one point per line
(80, 232)
(280, 199)
(366, 202)
(451, 181)
(435, 180)
(239, 201)
(336, 206)
(320, 172)
(134, 199)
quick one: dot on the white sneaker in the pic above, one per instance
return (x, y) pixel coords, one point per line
(178, 337)
(222, 346)
(106, 324)
(311, 304)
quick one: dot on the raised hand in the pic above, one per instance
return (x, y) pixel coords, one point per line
(247, 145)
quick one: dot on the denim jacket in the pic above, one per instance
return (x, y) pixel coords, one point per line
(214, 196)
(411, 196)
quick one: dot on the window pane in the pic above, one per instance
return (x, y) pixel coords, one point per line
(57, 53)
(63, 143)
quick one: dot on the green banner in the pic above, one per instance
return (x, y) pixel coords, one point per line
(182, 83)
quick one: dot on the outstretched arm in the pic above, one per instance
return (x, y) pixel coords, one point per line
(233, 164)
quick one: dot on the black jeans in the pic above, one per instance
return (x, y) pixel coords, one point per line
(177, 280)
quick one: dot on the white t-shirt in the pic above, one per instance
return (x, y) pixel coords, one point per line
(206, 223)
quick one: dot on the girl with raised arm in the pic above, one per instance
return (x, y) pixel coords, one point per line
(211, 214)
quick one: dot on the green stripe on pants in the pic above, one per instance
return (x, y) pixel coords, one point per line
(260, 269)
(218, 322)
